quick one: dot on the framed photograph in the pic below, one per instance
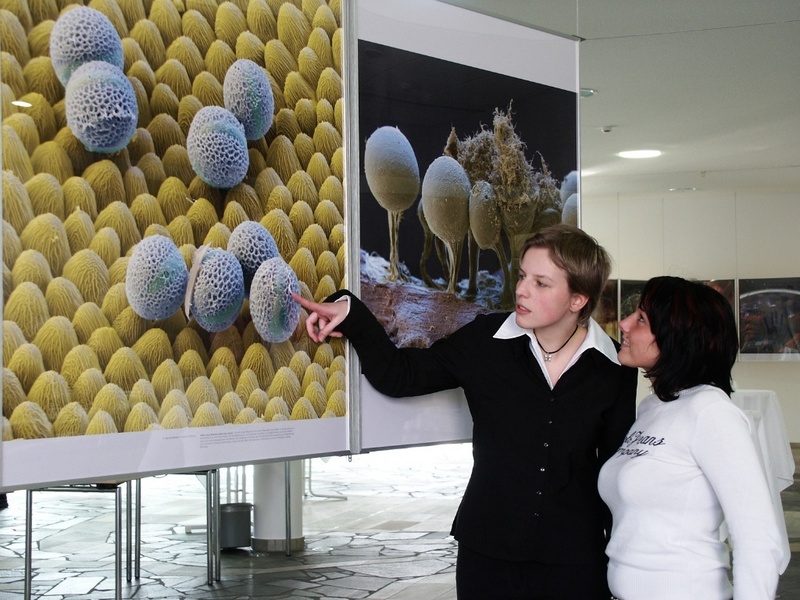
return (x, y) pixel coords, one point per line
(769, 319)
(450, 98)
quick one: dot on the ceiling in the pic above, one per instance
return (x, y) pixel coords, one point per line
(714, 85)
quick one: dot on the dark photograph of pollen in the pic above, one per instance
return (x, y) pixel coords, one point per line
(458, 166)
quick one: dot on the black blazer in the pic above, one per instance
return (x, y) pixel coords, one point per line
(537, 452)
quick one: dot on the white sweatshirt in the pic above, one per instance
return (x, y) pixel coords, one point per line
(685, 466)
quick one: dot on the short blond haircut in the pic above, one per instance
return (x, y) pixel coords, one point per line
(586, 262)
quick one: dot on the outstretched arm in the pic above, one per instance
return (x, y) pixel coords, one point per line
(323, 318)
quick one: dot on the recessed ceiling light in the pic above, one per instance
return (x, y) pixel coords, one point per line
(21, 103)
(640, 153)
(683, 189)
(587, 92)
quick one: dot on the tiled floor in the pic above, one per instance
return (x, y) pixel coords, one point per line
(388, 540)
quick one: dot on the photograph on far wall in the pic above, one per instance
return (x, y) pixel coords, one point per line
(726, 287)
(629, 292)
(606, 313)
(769, 318)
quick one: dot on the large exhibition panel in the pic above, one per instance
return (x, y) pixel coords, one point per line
(173, 171)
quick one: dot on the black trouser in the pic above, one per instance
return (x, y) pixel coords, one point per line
(480, 577)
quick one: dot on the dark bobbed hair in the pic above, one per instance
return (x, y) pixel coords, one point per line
(695, 331)
(586, 262)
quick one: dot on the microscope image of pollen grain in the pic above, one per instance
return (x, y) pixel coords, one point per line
(218, 124)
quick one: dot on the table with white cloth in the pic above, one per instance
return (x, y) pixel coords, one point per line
(763, 409)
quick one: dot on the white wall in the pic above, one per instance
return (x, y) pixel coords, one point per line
(741, 235)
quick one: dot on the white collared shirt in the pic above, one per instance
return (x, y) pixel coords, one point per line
(595, 338)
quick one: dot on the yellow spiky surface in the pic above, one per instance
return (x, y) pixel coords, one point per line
(153, 170)
(257, 359)
(315, 240)
(55, 338)
(141, 416)
(258, 400)
(101, 423)
(63, 297)
(114, 302)
(336, 381)
(167, 377)
(25, 127)
(201, 391)
(28, 421)
(129, 326)
(191, 366)
(175, 418)
(313, 373)
(246, 416)
(337, 403)
(247, 197)
(12, 339)
(336, 241)
(315, 393)
(144, 392)
(111, 399)
(338, 364)
(230, 406)
(154, 348)
(303, 409)
(27, 307)
(286, 385)
(15, 156)
(234, 216)
(189, 340)
(281, 353)
(276, 406)
(207, 415)
(105, 341)
(221, 380)
(86, 387)
(80, 230)
(328, 266)
(71, 420)
(280, 198)
(303, 264)
(176, 55)
(89, 273)
(106, 244)
(51, 392)
(248, 381)
(217, 236)
(13, 394)
(299, 363)
(31, 266)
(124, 369)
(12, 247)
(224, 357)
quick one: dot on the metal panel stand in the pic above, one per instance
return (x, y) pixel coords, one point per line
(311, 492)
(212, 527)
(106, 487)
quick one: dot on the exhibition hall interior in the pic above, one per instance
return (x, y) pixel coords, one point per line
(174, 170)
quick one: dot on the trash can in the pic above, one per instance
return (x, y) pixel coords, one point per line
(234, 525)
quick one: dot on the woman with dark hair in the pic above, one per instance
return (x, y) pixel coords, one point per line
(688, 464)
(549, 403)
